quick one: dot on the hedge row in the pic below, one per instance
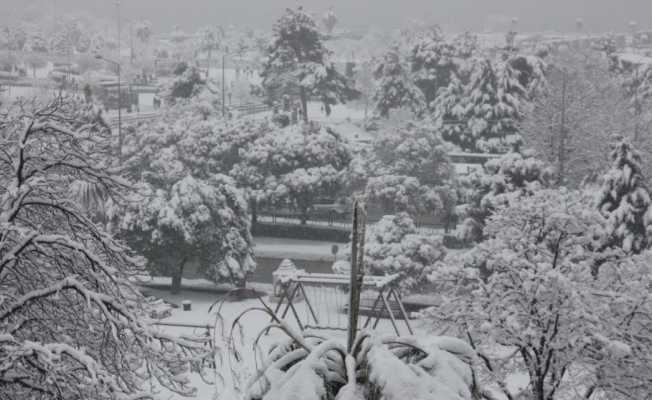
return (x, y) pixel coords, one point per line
(290, 231)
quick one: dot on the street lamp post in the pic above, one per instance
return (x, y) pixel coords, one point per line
(117, 64)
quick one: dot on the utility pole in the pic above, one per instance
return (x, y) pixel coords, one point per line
(638, 109)
(117, 64)
(117, 7)
(357, 269)
(224, 82)
(131, 42)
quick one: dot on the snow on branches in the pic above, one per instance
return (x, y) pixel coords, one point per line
(502, 181)
(188, 211)
(195, 220)
(409, 171)
(536, 305)
(295, 165)
(395, 87)
(481, 115)
(71, 324)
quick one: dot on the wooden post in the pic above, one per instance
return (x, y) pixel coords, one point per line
(357, 269)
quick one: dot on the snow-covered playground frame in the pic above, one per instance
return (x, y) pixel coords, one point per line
(293, 287)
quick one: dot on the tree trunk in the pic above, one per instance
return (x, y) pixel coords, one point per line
(304, 215)
(177, 276)
(253, 204)
(304, 103)
(562, 136)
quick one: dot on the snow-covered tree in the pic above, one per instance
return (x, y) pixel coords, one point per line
(187, 211)
(570, 121)
(408, 170)
(143, 30)
(394, 246)
(194, 221)
(624, 201)
(482, 115)
(72, 325)
(297, 64)
(295, 165)
(37, 42)
(531, 70)
(537, 308)
(395, 87)
(329, 20)
(187, 83)
(434, 61)
(503, 181)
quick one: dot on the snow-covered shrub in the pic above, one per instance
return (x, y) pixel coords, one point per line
(393, 246)
(625, 201)
(72, 326)
(503, 180)
(536, 305)
(319, 367)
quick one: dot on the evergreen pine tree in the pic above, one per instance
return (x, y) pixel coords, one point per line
(625, 201)
(297, 64)
(482, 115)
(396, 88)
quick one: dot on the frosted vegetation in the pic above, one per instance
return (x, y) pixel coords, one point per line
(550, 284)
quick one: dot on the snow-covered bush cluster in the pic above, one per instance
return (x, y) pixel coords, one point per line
(393, 246)
(72, 326)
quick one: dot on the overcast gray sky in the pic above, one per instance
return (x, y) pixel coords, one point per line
(599, 15)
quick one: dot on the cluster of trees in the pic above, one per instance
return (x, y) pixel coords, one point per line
(476, 100)
(559, 280)
(202, 179)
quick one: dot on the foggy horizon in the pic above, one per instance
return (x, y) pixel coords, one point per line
(555, 15)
